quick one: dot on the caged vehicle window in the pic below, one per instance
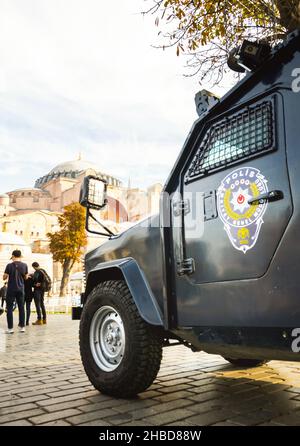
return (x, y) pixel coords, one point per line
(239, 136)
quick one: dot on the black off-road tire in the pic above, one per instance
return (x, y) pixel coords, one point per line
(246, 362)
(143, 344)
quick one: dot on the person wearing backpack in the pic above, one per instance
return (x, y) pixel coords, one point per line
(16, 273)
(41, 283)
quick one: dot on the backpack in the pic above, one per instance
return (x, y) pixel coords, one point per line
(47, 281)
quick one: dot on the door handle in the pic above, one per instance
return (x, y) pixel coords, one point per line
(273, 195)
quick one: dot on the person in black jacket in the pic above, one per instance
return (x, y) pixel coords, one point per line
(28, 296)
(3, 291)
(38, 294)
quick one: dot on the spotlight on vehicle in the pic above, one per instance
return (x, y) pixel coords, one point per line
(249, 56)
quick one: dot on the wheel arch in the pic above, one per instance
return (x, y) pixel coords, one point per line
(128, 270)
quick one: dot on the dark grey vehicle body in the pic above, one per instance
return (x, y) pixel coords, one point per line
(242, 305)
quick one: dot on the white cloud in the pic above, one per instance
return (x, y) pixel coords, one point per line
(82, 76)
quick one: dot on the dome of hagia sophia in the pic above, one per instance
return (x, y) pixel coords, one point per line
(72, 169)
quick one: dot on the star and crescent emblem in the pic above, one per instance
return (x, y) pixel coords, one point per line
(242, 221)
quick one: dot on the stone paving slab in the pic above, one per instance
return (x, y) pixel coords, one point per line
(42, 382)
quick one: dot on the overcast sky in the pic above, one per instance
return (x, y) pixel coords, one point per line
(81, 76)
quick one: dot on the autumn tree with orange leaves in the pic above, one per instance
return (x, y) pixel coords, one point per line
(67, 245)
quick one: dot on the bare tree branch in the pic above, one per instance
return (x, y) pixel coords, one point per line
(205, 31)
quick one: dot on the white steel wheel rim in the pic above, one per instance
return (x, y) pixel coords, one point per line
(107, 338)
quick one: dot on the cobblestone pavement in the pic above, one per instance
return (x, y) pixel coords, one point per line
(42, 383)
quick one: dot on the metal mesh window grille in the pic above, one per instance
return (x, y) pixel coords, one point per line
(239, 136)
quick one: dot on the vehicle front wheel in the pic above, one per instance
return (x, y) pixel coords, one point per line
(246, 362)
(120, 352)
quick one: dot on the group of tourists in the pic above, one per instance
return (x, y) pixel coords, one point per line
(20, 288)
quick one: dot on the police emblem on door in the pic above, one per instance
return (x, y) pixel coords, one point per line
(242, 221)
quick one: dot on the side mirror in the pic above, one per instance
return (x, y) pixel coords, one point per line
(93, 193)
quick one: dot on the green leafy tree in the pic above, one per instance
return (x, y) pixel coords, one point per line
(67, 245)
(206, 30)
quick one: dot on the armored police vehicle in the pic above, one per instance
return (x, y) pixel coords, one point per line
(218, 269)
